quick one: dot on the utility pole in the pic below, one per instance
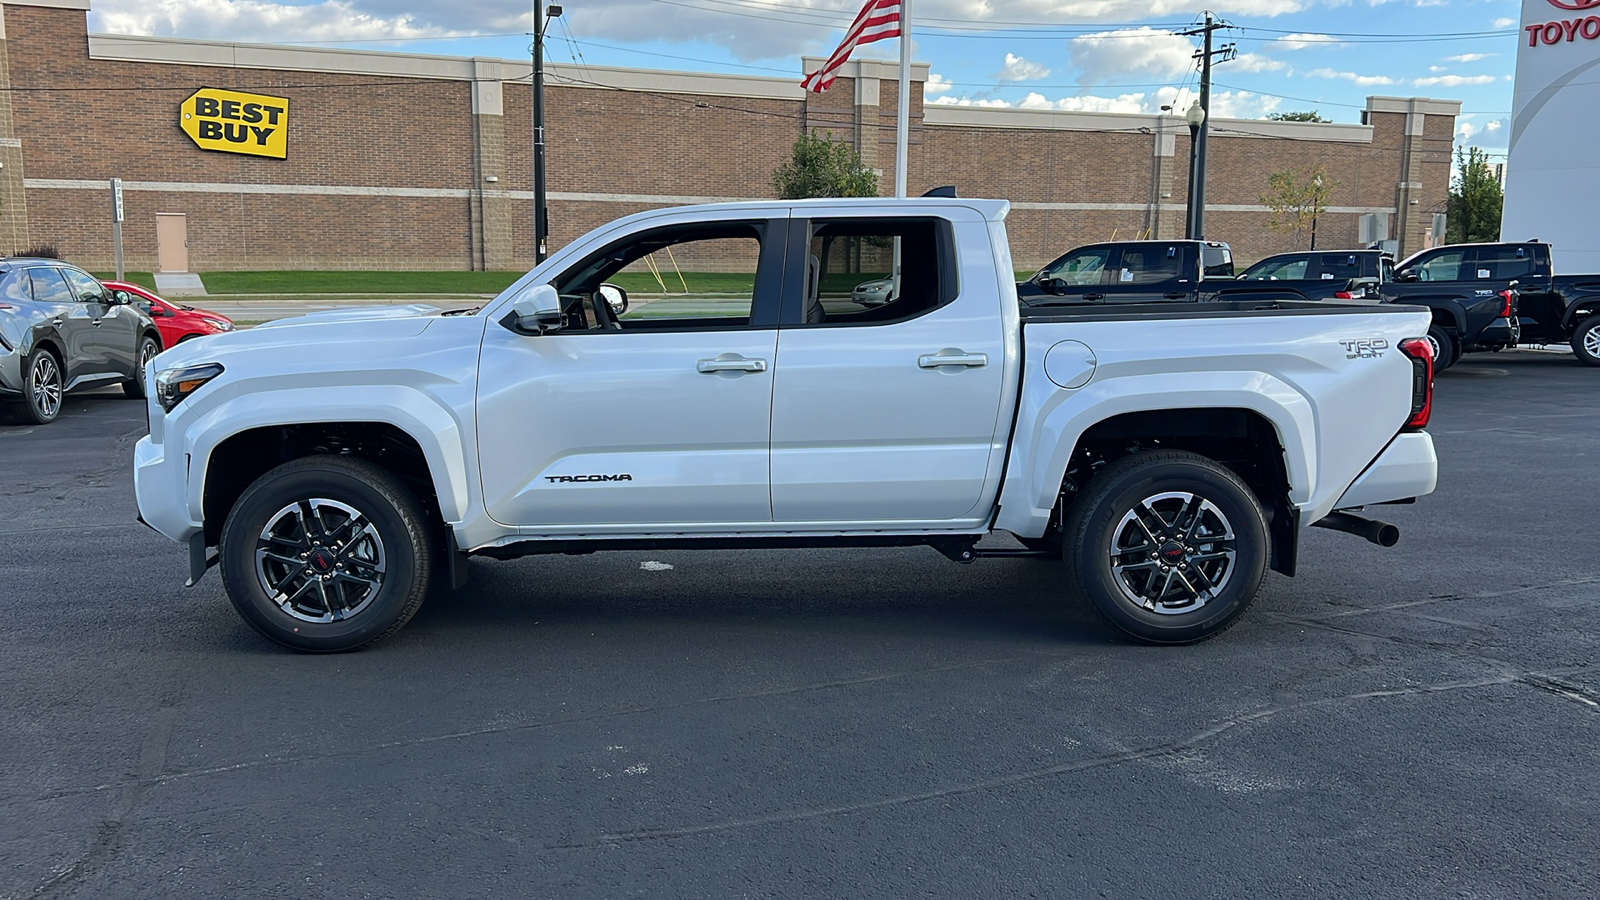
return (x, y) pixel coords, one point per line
(1200, 125)
(541, 213)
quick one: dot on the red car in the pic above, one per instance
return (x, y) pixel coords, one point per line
(176, 323)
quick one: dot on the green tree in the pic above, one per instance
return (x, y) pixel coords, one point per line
(822, 167)
(1297, 197)
(1473, 210)
(1306, 116)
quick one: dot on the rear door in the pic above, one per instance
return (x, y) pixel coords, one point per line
(888, 417)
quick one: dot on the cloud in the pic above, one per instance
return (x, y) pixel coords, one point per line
(1104, 55)
(1224, 104)
(937, 84)
(1301, 41)
(1122, 103)
(1504, 23)
(1362, 80)
(328, 20)
(1452, 80)
(1255, 62)
(1491, 130)
(1019, 69)
(968, 101)
(1469, 57)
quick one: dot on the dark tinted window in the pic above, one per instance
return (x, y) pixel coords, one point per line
(1339, 266)
(1504, 263)
(49, 286)
(1216, 262)
(850, 275)
(1148, 264)
(16, 288)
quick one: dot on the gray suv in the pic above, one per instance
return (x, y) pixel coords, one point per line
(61, 330)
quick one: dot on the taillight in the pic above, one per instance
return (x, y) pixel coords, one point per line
(1343, 295)
(1505, 308)
(1421, 355)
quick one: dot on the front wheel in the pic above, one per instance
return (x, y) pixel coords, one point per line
(326, 554)
(1586, 341)
(1168, 546)
(43, 386)
(148, 348)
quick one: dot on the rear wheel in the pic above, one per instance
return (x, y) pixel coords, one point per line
(326, 554)
(1445, 352)
(1168, 546)
(1586, 341)
(148, 348)
(43, 386)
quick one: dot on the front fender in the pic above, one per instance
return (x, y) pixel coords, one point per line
(1059, 417)
(434, 428)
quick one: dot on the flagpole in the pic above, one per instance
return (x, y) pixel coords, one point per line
(903, 120)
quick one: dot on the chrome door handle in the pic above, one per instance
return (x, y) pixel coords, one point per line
(728, 363)
(97, 323)
(956, 358)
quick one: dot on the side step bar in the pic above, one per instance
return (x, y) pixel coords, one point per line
(1381, 533)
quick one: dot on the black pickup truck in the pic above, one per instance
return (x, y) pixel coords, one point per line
(1490, 296)
(1161, 272)
(1331, 273)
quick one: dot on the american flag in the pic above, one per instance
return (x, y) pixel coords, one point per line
(879, 20)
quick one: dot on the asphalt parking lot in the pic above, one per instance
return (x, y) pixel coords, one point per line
(1422, 721)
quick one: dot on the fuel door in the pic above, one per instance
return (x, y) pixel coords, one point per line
(1070, 364)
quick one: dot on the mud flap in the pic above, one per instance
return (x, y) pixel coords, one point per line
(199, 559)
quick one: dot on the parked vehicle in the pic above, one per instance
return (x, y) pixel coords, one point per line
(61, 330)
(1473, 291)
(1170, 454)
(1354, 274)
(1548, 308)
(1162, 272)
(177, 323)
(873, 293)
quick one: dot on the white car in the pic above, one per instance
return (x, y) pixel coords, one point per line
(874, 293)
(341, 461)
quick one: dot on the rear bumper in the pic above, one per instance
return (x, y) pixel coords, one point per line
(1406, 468)
(1502, 332)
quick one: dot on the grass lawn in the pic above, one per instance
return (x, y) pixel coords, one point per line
(358, 282)
(142, 279)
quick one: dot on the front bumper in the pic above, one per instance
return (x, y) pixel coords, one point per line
(161, 488)
(1407, 468)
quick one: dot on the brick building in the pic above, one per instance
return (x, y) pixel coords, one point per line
(406, 161)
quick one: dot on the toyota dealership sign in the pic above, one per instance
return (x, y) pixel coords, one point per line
(1553, 174)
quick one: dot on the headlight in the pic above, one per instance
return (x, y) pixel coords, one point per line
(172, 385)
(219, 324)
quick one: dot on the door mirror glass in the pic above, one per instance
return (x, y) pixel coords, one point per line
(616, 298)
(534, 310)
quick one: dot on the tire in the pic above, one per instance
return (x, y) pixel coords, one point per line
(43, 387)
(363, 585)
(1154, 494)
(148, 348)
(1586, 341)
(1445, 351)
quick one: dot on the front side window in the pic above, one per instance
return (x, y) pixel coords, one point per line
(1291, 269)
(85, 288)
(1085, 267)
(49, 286)
(701, 276)
(1443, 266)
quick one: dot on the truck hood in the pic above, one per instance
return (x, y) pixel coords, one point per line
(358, 314)
(355, 331)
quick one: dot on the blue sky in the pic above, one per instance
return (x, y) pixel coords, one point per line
(1111, 55)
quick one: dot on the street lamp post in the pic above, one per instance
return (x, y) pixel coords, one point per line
(1316, 206)
(1196, 117)
(541, 214)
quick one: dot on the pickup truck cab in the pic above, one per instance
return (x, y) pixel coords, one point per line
(1328, 274)
(1161, 272)
(1547, 309)
(340, 462)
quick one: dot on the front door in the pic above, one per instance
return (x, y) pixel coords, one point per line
(657, 420)
(888, 414)
(116, 327)
(172, 242)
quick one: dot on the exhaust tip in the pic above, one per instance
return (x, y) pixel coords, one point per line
(1387, 535)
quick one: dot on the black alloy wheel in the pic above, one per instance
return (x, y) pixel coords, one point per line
(148, 348)
(326, 554)
(1168, 546)
(1586, 341)
(44, 387)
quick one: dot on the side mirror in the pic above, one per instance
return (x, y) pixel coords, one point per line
(1054, 285)
(1405, 276)
(118, 296)
(535, 309)
(616, 298)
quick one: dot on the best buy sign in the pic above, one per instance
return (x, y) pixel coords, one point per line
(235, 122)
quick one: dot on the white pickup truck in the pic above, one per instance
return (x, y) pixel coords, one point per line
(341, 462)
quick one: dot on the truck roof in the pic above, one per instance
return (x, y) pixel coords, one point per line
(993, 210)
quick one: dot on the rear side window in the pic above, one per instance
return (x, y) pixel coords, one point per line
(1503, 263)
(1146, 264)
(1216, 262)
(1339, 266)
(16, 288)
(850, 275)
(49, 286)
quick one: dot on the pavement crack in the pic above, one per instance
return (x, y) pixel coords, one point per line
(1192, 742)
